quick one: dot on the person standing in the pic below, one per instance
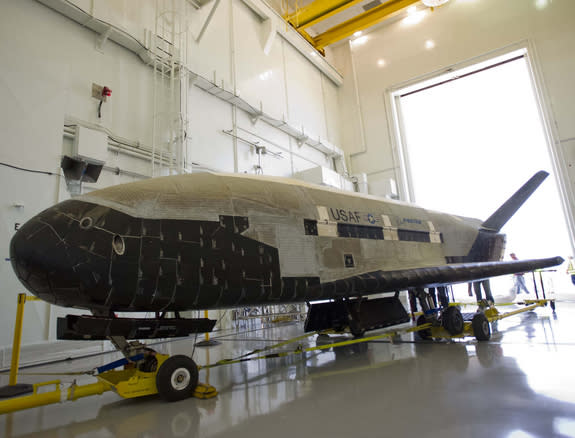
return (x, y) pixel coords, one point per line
(571, 269)
(486, 287)
(519, 281)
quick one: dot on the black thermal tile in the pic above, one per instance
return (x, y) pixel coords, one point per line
(151, 227)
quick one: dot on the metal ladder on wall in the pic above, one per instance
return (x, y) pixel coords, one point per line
(169, 45)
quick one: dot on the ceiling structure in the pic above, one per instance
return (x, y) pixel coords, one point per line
(325, 22)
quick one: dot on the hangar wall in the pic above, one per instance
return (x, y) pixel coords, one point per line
(49, 63)
(461, 30)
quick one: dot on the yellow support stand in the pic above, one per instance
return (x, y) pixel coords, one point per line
(206, 334)
(127, 383)
(17, 339)
(207, 342)
(13, 388)
(203, 391)
(22, 298)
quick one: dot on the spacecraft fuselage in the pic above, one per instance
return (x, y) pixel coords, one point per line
(208, 240)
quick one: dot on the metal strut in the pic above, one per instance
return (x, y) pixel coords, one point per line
(128, 349)
(425, 300)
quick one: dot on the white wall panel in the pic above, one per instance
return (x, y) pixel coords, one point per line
(306, 158)
(292, 155)
(52, 54)
(35, 192)
(300, 163)
(129, 111)
(32, 92)
(331, 110)
(265, 135)
(86, 5)
(568, 148)
(305, 99)
(211, 57)
(260, 76)
(123, 14)
(207, 144)
(351, 132)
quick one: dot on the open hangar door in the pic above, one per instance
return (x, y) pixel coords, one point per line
(469, 139)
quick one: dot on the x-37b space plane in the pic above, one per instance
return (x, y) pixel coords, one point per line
(205, 241)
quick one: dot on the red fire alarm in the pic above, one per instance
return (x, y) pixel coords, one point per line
(106, 92)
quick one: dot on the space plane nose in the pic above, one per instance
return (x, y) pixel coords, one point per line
(30, 250)
(40, 257)
(62, 257)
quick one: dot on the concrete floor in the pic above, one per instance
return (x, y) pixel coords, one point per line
(520, 384)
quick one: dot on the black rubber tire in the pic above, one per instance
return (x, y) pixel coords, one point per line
(452, 320)
(149, 365)
(481, 327)
(424, 335)
(177, 378)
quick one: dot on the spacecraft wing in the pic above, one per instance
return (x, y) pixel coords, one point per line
(388, 281)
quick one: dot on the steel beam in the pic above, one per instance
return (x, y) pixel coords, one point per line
(361, 22)
(310, 40)
(317, 11)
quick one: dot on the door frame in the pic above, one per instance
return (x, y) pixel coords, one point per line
(392, 96)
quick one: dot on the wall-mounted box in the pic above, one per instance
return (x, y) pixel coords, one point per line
(90, 145)
(324, 176)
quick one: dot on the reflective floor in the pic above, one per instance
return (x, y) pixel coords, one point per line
(519, 384)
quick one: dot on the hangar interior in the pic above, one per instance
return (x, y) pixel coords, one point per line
(99, 93)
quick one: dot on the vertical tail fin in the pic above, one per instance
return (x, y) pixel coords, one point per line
(496, 221)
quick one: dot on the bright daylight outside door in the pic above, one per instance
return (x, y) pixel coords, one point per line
(471, 143)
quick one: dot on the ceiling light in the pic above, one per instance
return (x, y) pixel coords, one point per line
(265, 75)
(359, 41)
(413, 16)
(429, 44)
(541, 4)
(381, 62)
(433, 3)
(357, 34)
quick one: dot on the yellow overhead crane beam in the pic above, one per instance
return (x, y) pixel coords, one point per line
(318, 11)
(357, 23)
(361, 22)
